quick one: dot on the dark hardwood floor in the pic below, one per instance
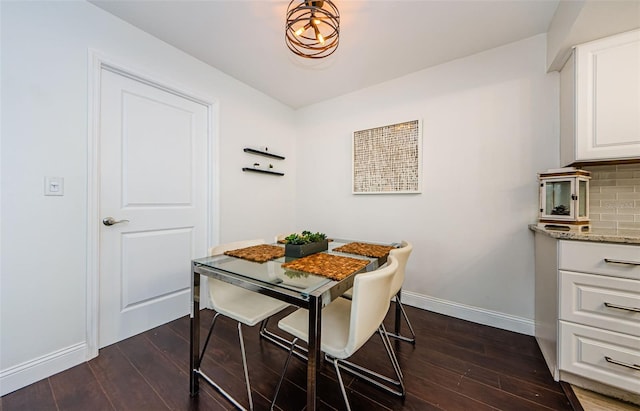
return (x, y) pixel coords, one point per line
(455, 365)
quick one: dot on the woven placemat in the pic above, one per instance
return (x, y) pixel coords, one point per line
(331, 266)
(257, 253)
(365, 249)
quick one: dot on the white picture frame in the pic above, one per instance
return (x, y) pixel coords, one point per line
(387, 159)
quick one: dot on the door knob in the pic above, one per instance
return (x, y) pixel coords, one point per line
(111, 221)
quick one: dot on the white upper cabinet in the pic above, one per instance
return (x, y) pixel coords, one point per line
(600, 101)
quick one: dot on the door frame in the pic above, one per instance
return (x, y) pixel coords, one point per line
(97, 62)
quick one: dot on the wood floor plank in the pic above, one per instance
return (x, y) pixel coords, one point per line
(455, 365)
(442, 397)
(423, 322)
(37, 397)
(127, 388)
(496, 398)
(543, 396)
(78, 389)
(176, 349)
(422, 364)
(167, 379)
(460, 384)
(523, 367)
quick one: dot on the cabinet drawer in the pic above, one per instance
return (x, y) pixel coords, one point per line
(619, 260)
(604, 356)
(601, 301)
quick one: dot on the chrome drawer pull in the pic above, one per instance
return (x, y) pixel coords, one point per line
(624, 364)
(622, 307)
(614, 261)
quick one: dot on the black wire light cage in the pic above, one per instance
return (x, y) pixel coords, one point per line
(313, 28)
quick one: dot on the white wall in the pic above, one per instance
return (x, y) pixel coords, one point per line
(490, 124)
(44, 130)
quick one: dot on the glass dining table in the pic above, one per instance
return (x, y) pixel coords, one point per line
(308, 291)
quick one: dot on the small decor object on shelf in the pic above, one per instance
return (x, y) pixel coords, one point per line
(300, 245)
(267, 169)
(564, 200)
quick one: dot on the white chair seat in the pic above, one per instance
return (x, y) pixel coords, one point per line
(336, 318)
(242, 305)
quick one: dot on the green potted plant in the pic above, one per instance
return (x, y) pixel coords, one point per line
(301, 245)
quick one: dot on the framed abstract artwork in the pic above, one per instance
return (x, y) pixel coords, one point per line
(388, 159)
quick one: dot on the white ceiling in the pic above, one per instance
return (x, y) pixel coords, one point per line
(379, 39)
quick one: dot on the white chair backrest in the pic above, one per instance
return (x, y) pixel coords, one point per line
(370, 304)
(218, 292)
(402, 255)
(221, 248)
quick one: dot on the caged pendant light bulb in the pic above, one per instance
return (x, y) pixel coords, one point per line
(313, 28)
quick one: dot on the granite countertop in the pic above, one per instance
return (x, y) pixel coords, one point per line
(595, 235)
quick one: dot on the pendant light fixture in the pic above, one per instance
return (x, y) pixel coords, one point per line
(313, 28)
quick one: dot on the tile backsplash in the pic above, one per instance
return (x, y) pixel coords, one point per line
(614, 198)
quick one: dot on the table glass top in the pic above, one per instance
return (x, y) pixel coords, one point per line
(273, 275)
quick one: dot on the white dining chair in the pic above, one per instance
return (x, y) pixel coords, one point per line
(347, 324)
(402, 255)
(384, 382)
(244, 306)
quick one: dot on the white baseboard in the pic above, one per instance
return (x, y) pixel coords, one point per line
(469, 313)
(28, 372)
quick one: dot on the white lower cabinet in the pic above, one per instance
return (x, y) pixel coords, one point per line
(600, 355)
(599, 329)
(590, 332)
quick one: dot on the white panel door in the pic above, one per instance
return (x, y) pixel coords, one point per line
(153, 163)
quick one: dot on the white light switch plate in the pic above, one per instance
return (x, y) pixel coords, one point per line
(54, 186)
